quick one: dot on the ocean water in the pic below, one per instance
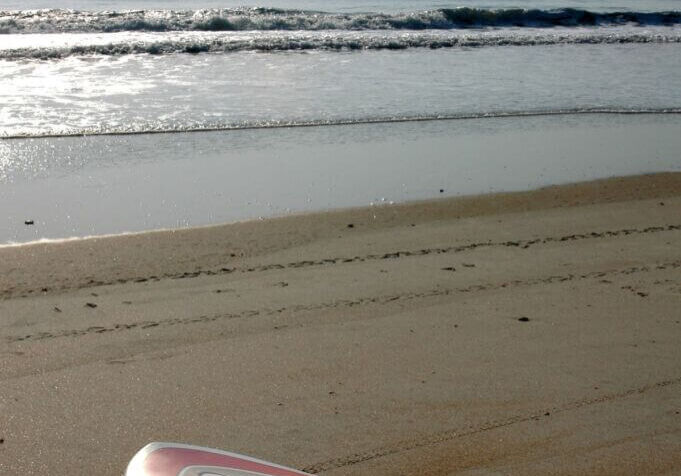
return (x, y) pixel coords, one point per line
(129, 115)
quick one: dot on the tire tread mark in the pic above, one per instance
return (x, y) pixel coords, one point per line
(448, 435)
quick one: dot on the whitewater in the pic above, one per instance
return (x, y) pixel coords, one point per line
(117, 67)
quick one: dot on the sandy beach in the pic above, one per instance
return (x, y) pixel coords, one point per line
(525, 333)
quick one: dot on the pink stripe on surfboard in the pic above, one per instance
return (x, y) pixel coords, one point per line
(170, 461)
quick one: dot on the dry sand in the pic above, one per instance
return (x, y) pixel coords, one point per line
(529, 333)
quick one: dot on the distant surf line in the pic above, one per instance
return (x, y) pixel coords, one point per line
(263, 19)
(348, 122)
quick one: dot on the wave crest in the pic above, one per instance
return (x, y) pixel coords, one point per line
(245, 19)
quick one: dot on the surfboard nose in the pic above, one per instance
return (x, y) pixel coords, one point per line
(175, 459)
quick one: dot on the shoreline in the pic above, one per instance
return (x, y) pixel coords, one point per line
(94, 260)
(656, 184)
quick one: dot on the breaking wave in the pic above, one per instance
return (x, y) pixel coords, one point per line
(243, 19)
(348, 41)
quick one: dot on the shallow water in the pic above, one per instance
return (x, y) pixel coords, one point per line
(100, 185)
(137, 93)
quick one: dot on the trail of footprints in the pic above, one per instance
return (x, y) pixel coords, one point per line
(402, 297)
(522, 244)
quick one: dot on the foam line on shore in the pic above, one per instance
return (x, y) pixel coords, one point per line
(346, 122)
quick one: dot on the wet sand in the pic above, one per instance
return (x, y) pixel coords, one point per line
(524, 333)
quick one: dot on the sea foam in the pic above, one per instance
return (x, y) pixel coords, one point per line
(46, 46)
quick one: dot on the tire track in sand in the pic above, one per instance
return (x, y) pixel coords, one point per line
(449, 435)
